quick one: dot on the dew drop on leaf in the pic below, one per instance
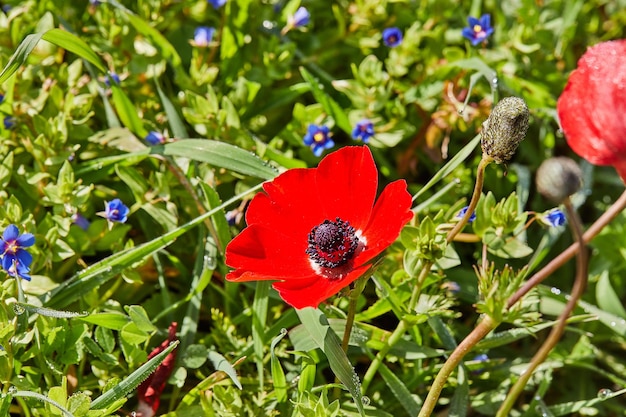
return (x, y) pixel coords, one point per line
(18, 309)
(604, 393)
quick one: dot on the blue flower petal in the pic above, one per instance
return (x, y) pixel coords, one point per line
(26, 240)
(11, 233)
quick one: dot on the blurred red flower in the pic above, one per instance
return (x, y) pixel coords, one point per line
(315, 230)
(592, 106)
(149, 392)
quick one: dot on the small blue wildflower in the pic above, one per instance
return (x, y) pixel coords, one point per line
(94, 2)
(392, 37)
(1, 98)
(15, 259)
(478, 30)
(451, 287)
(553, 218)
(318, 138)
(462, 213)
(9, 122)
(202, 36)
(363, 131)
(481, 358)
(111, 76)
(80, 221)
(17, 269)
(300, 18)
(217, 3)
(155, 138)
(115, 211)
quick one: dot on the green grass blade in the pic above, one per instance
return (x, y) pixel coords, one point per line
(101, 272)
(330, 106)
(278, 374)
(43, 398)
(127, 112)
(218, 154)
(457, 160)
(20, 55)
(400, 391)
(259, 321)
(176, 123)
(132, 381)
(58, 37)
(221, 364)
(326, 339)
(75, 45)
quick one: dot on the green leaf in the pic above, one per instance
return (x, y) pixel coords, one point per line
(176, 123)
(113, 321)
(56, 36)
(119, 391)
(607, 297)
(259, 322)
(278, 375)
(133, 335)
(221, 364)
(570, 408)
(400, 391)
(127, 111)
(218, 154)
(325, 338)
(43, 398)
(330, 106)
(195, 356)
(139, 316)
(457, 160)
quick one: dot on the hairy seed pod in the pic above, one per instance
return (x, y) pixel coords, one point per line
(504, 129)
(558, 178)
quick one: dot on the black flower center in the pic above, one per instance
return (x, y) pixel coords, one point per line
(332, 243)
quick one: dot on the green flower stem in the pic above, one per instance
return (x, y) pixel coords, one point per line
(398, 332)
(556, 263)
(378, 359)
(557, 331)
(486, 325)
(359, 285)
(478, 187)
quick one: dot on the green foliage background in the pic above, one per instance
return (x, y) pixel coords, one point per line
(235, 114)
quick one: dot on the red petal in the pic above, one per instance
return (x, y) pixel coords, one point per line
(311, 292)
(149, 391)
(347, 182)
(592, 106)
(391, 213)
(262, 253)
(291, 204)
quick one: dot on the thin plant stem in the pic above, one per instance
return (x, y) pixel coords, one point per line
(354, 296)
(477, 335)
(399, 331)
(557, 262)
(486, 325)
(478, 187)
(557, 331)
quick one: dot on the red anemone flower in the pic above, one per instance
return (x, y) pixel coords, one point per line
(315, 230)
(592, 106)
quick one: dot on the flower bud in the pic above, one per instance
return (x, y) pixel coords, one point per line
(558, 178)
(504, 129)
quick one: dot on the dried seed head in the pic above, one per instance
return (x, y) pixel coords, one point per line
(558, 178)
(504, 129)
